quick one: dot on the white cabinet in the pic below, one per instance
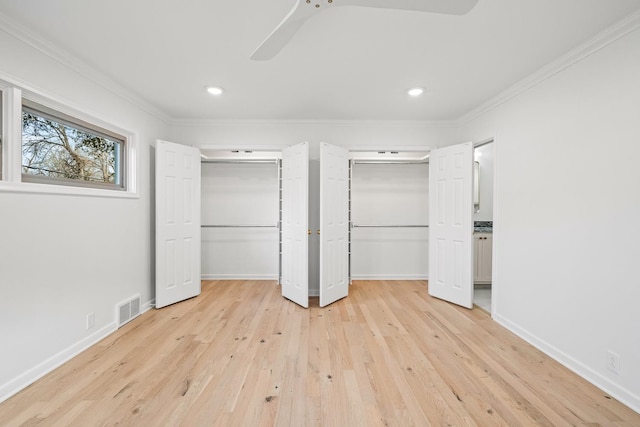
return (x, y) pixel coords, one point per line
(483, 247)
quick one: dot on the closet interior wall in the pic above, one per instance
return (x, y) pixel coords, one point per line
(390, 217)
(240, 215)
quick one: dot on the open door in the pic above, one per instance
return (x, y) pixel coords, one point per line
(334, 223)
(451, 224)
(177, 223)
(295, 224)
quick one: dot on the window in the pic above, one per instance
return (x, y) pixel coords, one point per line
(47, 146)
(59, 149)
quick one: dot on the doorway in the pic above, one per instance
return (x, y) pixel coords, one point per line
(389, 215)
(240, 214)
(483, 216)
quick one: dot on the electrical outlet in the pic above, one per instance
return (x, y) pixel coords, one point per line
(91, 320)
(613, 362)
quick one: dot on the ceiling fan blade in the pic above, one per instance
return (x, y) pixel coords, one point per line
(283, 32)
(449, 7)
(304, 9)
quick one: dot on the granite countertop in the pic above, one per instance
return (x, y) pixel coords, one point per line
(483, 229)
(483, 226)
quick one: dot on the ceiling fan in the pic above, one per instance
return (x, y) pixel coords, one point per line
(305, 9)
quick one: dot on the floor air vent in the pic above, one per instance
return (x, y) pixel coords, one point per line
(128, 310)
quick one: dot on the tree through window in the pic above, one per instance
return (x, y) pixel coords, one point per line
(58, 150)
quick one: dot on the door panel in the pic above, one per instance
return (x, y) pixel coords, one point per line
(177, 223)
(334, 224)
(451, 229)
(295, 224)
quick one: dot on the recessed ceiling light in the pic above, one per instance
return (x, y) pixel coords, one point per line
(416, 91)
(215, 90)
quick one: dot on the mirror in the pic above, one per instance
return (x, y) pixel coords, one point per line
(476, 187)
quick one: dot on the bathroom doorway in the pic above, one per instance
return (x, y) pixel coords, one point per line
(484, 170)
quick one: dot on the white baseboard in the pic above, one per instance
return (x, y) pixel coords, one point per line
(614, 390)
(315, 292)
(243, 276)
(239, 276)
(390, 277)
(34, 374)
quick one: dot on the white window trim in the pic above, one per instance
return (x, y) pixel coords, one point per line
(12, 147)
(11, 96)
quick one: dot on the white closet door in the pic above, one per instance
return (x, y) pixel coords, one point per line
(334, 223)
(295, 224)
(177, 223)
(451, 224)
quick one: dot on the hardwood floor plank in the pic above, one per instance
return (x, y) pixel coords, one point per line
(240, 354)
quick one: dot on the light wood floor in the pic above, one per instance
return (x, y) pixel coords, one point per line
(241, 355)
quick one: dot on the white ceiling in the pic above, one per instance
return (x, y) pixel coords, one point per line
(346, 63)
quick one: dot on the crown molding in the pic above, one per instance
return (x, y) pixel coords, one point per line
(78, 66)
(416, 124)
(601, 40)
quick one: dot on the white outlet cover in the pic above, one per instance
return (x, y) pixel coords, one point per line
(91, 320)
(613, 362)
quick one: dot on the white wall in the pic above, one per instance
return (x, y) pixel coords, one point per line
(345, 134)
(314, 224)
(567, 219)
(62, 257)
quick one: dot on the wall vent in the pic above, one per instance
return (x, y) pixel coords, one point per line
(128, 310)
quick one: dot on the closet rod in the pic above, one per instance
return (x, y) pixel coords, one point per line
(239, 226)
(481, 143)
(238, 161)
(388, 226)
(397, 162)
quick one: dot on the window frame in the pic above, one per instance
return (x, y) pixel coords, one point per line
(12, 179)
(2, 90)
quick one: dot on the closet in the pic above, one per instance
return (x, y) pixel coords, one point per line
(240, 216)
(390, 215)
(260, 214)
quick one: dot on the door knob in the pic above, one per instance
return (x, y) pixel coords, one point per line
(318, 232)
(309, 232)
